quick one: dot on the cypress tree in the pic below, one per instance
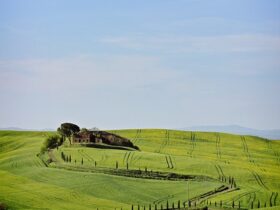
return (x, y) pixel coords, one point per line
(82, 161)
(117, 165)
(132, 207)
(232, 204)
(173, 207)
(155, 206)
(252, 205)
(179, 205)
(150, 207)
(126, 166)
(239, 205)
(167, 205)
(259, 204)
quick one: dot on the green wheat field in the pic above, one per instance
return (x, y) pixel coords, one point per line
(246, 168)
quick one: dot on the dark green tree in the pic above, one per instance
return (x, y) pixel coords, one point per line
(51, 142)
(67, 129)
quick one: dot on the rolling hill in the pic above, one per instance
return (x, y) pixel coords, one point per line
(173, 168)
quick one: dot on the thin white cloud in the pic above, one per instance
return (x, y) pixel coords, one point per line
(196, 44)
(82, 72)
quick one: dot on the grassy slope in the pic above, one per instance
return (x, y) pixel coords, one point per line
(26, 183)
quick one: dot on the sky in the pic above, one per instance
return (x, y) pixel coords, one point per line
(139, 64)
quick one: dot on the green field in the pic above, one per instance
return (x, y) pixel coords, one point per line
(26, 182)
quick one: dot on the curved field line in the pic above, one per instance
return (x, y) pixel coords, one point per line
(131, 158)
(136, 138)
(167, 162)
(220, 171)
(259, 179)
(164, 142)
(271, 198)
(202, 197)
(127, 157)
(246, 150)
(252, 198)
(124, 157)
(138, 158)
(81, 153)
(218, 146)
(88, 156)
(276, 154)
(275, 198)
(171, 162)
(192, 144)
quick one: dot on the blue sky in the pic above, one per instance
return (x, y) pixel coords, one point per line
(128, 64)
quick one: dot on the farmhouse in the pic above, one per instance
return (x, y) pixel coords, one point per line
(98, 137)
(83, 137)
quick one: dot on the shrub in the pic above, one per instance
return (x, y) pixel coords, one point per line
(51, 142)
